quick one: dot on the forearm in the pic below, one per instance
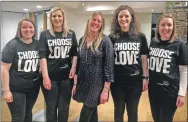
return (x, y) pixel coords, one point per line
(74, 62)
(5, 79)
(75, 80)
(144, 61)
(43, 66)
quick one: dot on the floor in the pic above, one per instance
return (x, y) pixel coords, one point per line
(105, 111)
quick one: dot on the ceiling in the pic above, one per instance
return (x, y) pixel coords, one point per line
(140, 7)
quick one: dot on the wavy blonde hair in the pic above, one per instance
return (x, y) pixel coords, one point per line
(87, 32)
(173, 35)
(65, 26)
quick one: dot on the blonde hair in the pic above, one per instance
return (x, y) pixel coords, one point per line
(65, 26)
(18, 32)
(87, 33)
(173, 35)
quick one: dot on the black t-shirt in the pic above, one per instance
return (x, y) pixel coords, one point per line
(58, 51)
(128, 51)
(24, 58)
(165, 58)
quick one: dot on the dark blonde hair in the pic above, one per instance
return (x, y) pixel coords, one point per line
(65, 26)
(173, 35)
(87, 33)
(134, 27)
(18, 33)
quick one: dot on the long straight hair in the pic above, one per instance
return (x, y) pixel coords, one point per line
(64, 25)
(87, 33)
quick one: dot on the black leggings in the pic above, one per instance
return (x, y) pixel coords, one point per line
(58, 98)
(129, 96)
(163, 106)
(22, 105)
(88, 114)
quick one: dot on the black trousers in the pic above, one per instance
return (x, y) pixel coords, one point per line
(23, 102)
(58, 99)
(88, 114)
(163, 105)
(129, 96)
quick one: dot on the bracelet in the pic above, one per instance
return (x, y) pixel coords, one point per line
(107, 88)
(145, 77)
(75, 84)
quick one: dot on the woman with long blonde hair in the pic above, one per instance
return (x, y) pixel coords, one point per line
(94, 70)
(58, 57)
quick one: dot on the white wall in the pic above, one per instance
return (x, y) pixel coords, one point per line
(145, 20)
(39, 24)
(78, 23)
(9, 26)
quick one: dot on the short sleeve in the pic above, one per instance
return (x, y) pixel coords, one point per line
(78, 57)
(74, 47)
(43, 46)
(8, 53)
(144, 46)
(182, 58)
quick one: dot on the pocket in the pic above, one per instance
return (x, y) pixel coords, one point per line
(137, 77)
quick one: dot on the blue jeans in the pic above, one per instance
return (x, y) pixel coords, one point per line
(23, 102)
(58, 98)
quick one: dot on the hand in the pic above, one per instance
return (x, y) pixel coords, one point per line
(8, 96)
(180, 101)
(73, 90)
(144, 85)
(104, 96)
(47, 83)
(72, 73)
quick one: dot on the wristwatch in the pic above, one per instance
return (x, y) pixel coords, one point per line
(145, 77)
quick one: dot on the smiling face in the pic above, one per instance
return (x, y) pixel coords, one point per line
(166, 28)
(27, 30)
(57, 19)
(96, 23)
(124, 19)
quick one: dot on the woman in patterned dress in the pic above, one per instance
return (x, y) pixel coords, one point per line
(94, 70)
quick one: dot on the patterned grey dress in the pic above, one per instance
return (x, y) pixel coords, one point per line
(94, 69)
